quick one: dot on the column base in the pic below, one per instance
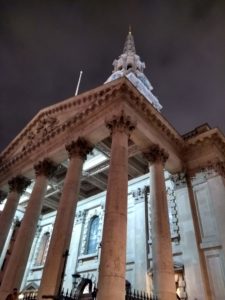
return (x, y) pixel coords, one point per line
(166, 296)
(113, 289)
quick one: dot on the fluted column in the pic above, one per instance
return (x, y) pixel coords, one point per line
(163, 272)
(62, 231)
(17, 263)
(17, 186)
(111, 283)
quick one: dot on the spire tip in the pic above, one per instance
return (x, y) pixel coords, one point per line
(129, 29)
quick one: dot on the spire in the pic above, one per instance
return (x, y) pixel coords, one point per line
(129, 43)
(130, 65)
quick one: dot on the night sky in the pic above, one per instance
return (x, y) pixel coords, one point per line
(44, 45)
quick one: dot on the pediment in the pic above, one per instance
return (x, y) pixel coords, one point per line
(55, 125)
(49, 120)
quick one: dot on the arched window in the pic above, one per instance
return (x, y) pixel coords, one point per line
(92, 235)
(42, 251)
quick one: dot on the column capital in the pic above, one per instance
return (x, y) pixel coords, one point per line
(156, 154)
(19, 184)
(45, 167)
(122, 123)
(80, 148)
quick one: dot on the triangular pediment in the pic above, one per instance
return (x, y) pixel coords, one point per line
(51, 118)
(58, 124)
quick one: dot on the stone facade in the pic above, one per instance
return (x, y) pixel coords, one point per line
(130, 199)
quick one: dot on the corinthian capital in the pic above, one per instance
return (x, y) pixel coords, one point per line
(45, 167)
(156, 154)
(79, 148)
(122, 123)
(19, 184)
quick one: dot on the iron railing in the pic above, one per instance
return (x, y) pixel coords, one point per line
(30, 296)
(70, 295)
(136, 295)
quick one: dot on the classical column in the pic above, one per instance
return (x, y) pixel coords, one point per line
(17, 263)
(17, 186)
(112, 270)
(60, 241)
(163, 272)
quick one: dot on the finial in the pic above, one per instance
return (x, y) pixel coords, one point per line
(129, 43)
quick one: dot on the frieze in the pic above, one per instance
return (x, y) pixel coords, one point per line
(156, 154)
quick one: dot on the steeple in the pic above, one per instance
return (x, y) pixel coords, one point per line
(130, 65)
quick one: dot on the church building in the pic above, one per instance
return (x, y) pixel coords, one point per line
(100, 194)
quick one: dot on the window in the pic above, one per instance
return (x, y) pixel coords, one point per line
(42, 251)
(92, 235)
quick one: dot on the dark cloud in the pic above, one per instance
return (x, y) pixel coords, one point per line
(44, 45)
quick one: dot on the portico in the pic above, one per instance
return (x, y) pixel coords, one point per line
(126, 127)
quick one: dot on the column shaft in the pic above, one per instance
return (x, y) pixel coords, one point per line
(163, 272)
(17, 263)
(7, 216)
(60, 241)
(17, 186)
(111, 284)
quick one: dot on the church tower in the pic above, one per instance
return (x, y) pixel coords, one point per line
(130, 65)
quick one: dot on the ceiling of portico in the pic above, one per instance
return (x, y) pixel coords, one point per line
(94, 175)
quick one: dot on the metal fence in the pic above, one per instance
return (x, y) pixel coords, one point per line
(30, 296)
(136, 295)
(69, 295)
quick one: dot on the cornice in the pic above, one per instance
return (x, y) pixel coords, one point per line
(211, 137)
(209, 169)
(132, 95)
